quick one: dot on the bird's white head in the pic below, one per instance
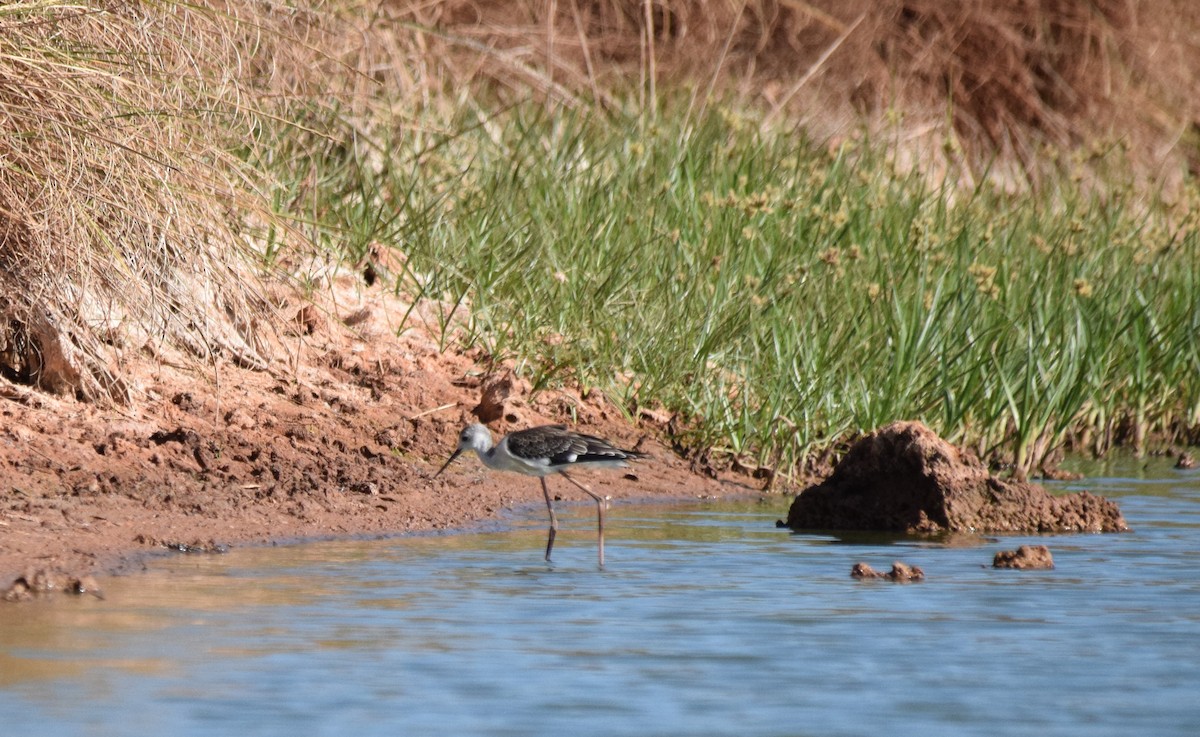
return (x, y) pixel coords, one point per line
(473, 437)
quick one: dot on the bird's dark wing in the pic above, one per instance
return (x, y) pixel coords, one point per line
(562, 447)
(548, 441)
(599, 449)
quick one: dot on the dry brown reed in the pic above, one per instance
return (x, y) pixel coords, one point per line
(988, 83)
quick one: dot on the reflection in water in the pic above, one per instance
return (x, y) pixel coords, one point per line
(707, 621)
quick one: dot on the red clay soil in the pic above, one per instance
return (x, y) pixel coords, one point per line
(344, 445)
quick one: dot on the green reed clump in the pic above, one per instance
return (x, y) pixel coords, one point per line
(779, 294)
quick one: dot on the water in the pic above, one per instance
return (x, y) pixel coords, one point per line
(707, 621)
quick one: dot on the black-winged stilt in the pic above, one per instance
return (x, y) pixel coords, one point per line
(541, 451)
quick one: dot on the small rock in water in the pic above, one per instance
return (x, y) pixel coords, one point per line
(42, 581)
(85, 585)
(196, 546)
(1026, 557)
(900, 572)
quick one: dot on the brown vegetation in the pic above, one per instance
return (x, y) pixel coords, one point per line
(975, 85)
(116, 192)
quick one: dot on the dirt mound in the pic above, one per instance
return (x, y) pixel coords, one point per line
(904, 477)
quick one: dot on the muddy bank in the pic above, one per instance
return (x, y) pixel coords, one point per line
(905, 478)
(343, 445)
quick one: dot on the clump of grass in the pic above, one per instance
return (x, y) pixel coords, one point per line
(780, 295)
(122, 207)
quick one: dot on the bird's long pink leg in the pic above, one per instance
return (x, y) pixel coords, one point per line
(553, 519)
(600, 506)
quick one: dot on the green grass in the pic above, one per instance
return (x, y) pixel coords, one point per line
(780, 295)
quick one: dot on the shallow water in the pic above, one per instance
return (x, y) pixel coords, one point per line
(706, 621)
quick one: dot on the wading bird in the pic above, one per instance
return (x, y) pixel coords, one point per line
(541, 451)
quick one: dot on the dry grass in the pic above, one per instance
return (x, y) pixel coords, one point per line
(990, 85)
(121, 207)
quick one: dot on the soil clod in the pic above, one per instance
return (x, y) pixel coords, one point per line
(901, 572)
(1026, 557)
(905, 478)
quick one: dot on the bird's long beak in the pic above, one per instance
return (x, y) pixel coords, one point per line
(450, 460)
